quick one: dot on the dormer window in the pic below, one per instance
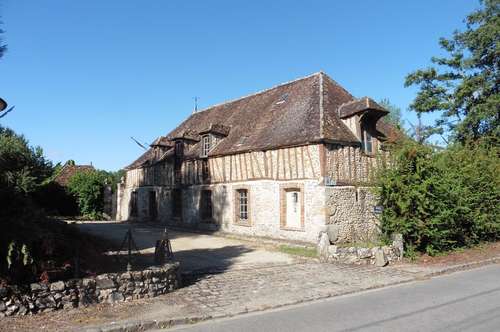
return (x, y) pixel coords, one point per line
(179, 148)
(206, 145)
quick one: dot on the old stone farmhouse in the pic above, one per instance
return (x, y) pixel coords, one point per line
(281, 163)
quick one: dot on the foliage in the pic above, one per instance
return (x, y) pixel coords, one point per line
(394, 116)
(464, 85)
(22, 167)
(441, 200)
(113, 178)
(88, 187)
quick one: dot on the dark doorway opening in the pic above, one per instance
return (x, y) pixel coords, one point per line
(133, 204)
(153, 206)
(177, 203)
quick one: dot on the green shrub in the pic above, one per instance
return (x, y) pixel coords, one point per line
(88, 187)
(441, 200)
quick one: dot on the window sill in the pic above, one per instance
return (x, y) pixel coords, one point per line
(240, 223)
(291, 229)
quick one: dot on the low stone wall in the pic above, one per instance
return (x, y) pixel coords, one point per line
(110, 288)
(379, 255)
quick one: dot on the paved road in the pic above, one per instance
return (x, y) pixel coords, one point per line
(465, 301)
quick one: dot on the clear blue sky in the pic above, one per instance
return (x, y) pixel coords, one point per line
(86, 75)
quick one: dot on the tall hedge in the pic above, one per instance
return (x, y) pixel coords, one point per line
(441, 200)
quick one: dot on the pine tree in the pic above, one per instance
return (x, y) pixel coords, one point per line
(464, 85)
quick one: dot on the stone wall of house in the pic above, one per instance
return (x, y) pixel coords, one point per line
(350, 214)
(163, 203)
(265, 209)
(111, 288)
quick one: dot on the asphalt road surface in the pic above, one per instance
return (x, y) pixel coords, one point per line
(464, 301)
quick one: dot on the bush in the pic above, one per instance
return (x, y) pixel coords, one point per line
(441, 200)
(88, 187)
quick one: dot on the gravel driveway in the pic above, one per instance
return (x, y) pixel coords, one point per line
(195, 251)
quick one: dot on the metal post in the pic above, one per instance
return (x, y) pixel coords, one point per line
(129, 240)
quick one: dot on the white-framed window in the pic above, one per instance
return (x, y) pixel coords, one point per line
(243, 204)
(206, 145)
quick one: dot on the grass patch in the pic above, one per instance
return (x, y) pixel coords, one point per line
(298, 251)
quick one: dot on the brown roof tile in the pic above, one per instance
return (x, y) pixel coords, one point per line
(299, 112)
(68, 171)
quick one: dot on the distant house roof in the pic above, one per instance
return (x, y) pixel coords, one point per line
(299, 112)
(3, 104)
(68, 171)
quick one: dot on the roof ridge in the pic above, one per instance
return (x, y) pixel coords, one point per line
(258, 92)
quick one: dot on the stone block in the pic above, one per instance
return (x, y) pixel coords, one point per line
(57, 286)
(105, 284)
(333, 232)
(398, 244)
(364, 253)
(323, 245)
(88, 282)
(333, 250)
(380, 258)
(36, 287)
(115, 297)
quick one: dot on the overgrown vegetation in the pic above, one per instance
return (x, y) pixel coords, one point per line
(88, 187)
(33, 246)
(444, 199)
(441, 200)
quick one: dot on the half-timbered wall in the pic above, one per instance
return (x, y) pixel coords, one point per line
(295, 163)
(350, 165)
(263, 173)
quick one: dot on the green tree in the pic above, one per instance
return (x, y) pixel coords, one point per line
(88, 187)
(23, 168)
(394, 116)
(441, 200)
(464, 85)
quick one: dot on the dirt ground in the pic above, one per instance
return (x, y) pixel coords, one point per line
(481, 252)
(195, 251)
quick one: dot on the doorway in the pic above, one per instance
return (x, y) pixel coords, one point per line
(293, 208)
(153, 206)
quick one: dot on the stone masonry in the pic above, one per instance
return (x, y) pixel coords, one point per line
(110, 288)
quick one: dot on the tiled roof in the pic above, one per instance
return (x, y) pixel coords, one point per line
(68, 171)
(299, 112)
